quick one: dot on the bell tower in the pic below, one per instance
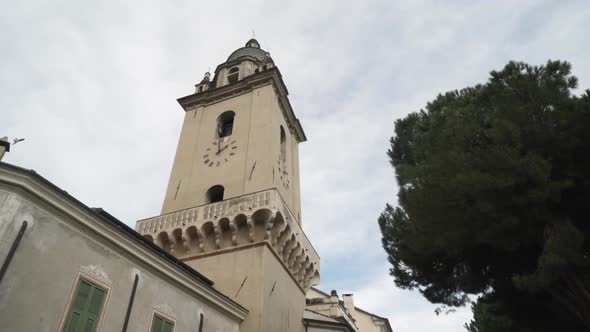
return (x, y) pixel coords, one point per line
(232, 208)
(239, 136)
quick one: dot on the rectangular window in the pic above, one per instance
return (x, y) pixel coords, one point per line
(85, 308)
(161, 324)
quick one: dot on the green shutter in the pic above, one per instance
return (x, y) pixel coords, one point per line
(86, 308)
(73, 322)
(157, 324)
(160, 324)
(82, 295)
(94, 308)
(90, 325)
(168, 326)
(95, 305)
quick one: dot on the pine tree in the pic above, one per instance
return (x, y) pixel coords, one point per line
(494, 200)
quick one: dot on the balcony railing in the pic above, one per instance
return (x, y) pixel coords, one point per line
(244, 204)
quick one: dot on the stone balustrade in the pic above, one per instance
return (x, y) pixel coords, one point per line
(255, 217)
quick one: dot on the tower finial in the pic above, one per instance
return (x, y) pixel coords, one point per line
(253, 33)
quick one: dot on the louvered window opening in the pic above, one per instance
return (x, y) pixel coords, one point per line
(86, 307)
(161, 324)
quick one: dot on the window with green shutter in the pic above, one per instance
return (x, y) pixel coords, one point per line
(161, 324)
(85, 308)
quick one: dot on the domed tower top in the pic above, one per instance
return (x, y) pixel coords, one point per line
(251, 49)
(253, 43)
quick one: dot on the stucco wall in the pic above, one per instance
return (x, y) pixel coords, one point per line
(229, 271)
(248, 276)
(285, 304)
(256, 132)
(367, 323)
(55, 250)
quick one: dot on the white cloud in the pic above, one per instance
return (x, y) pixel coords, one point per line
(407, 311)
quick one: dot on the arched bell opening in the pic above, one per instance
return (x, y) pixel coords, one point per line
(193, 239)
(283, 141)
(215, 194)
(148, 237)
(225, 124)
(226, 233)
(242, 230)
(233, 75)
(208, 231)
(163, 241)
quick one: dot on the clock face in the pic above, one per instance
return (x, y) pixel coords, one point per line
(220, 152)
(283, 174)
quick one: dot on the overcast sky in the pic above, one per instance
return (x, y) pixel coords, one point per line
(92, 86)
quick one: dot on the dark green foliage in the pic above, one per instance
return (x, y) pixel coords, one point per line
(494, 201)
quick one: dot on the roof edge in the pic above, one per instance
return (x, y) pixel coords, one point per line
(237, 310)
(356, 308)
(246, 84)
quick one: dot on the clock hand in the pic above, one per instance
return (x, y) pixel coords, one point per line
(223, 148)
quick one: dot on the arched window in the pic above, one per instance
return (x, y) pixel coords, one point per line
(215, 194)
(283, 145)
(225, 124)
(232, 75)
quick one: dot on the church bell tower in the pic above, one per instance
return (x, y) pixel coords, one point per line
(232, 208)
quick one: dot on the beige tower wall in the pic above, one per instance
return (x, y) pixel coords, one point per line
(254, 277)
(232, 242)
(256, 132)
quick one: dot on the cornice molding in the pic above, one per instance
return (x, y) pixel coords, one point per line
(247, 84)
